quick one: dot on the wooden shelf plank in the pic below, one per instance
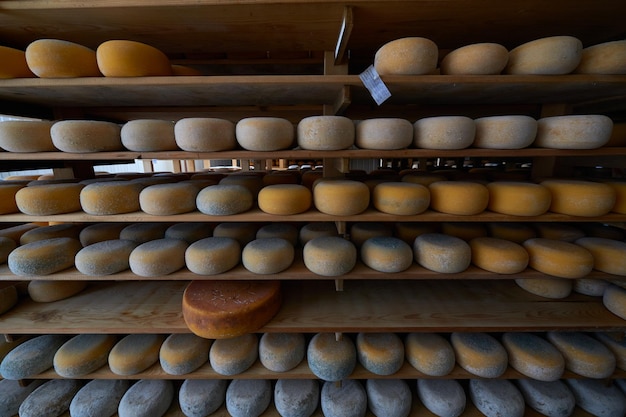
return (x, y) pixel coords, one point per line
(314, 306)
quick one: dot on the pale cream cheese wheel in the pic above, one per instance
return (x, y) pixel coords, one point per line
(603, 58)
(558, 258)
(589, 131)
(26, 136)
(205, 134)
(85, 136)
(325, 133)
(444, 132)
(125, 58)
(14, 63)
(554, 55)
(264, 133)
(476, 59)
(518, 198)
(158, 257)
(56, 58)
(148, 135)
(580, 198)
(505, 132)
(212, 255)
(384, 133)
(442, 253)
(407, 56)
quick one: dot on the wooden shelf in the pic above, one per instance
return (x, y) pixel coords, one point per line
(315, 306)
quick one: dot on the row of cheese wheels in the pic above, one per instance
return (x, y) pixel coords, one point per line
(304, 397)
(321, 133)
(542, 357)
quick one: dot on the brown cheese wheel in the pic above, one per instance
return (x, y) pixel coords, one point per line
(26, 136)
(55, 58)
(124, 58)
(14, 63)
(85, 136)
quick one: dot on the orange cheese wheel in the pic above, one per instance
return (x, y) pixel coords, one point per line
(505, 132)
(85, 136)
(205, 134)
(620, 196)
(558, 258)
(580, 198)
(45, 200)
(148, 135)
(83, 354)
(498, 255)
(554, 288)
(168, 199)
(583, 131)
(111, 197)
(384, 133)
(608, 255)
(401, 198)
(264, 133)
(325, 133)
(603, 58)
(135, 353)
(185, 70)
(407, 56)
(476, 59)
(429, 353)
(7, 197)
(225, 309)
(284, 199)
(124, 58)
(458, 197)
(56, 58)
(50, 291)
(26, 136)
(380, 353)
(341, 197)
(444, 132)
(552, 55)
(518, 198)
(14, 63)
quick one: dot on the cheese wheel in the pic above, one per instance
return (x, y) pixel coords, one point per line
(44, 257)
(125, 58)
(168, 199)
(267, 256)
(316, 229)
(243, 232)
(608, 255)
(182, 353)
(429, 353)
(442, 397)
(99, 232)
(557, 258)
(281, 352)
(505, 132)
(212, 255)
(514, 232)
(589, 131)
(554, 288)
(533, 356)
(597, 397)
(463, 198)
(603, 58)
(234, 355)
(341, 197)
(614, 299)
(49, 199)
(224, 199)
(496, 398)
(264, 133)
(620, 196)
(362, 231)
(52, 398)
(559, 231)
(616, 344)
(15, 232)
(342, 400)
(205, 134)
(14, 393)
(7, 197)
(147, 398)
(14, 64)
(86, 136)
(99, 397)
(284, 199)
(26, 135)
(48, 232)
(384, 133)
(590, 286)
(583, 354)
(580, 198)
(329, 256)
(104, 258)
(330, 359)
(479, 354)
(189, 232)
(424, 179)
(143, 232)
(248, 397)
(388, 397)
(518, 198)
(224, 309)
(135, 353)
(148, 135)
(31, 357)
(498, 255)
(407, 56)
(475, 59)
(286, 231)
(56, 58)
(296, 397)
(444, 132)
(442, 253)
(401, 198)
(83, 354)
(158, 257)
(386, 254)
(549, 398)
(380, 353)
(554, 55)
(50, 291)
(201, 397)
(325, 133)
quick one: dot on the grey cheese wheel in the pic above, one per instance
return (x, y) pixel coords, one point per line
(331, 359)
(104, 258)
(280, 352)
(429, 353)
(296, 397)
(496, 397)
(442, 397)
(248, 397)
(202, 397)
(158, 257)
(550, 398)
(31, 357)
(598, 398)
(224, 199)
(14, 394)
(99, 397)
(234, 355)
(147, 398)
(347, 399)
(388, 397)
(212, 255)
(51, 399)
(44, 257)
(182, 353)
(479, 354)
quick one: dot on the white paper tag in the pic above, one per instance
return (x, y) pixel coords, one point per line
(375, 85)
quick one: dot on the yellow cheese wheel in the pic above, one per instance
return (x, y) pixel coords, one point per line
(380, 353)
(583, 354)
(83, 354)
(614, 299)
(407, 56)
(125, 58)
(280, 352)
(476, 59)
(554, 288)
(44, 257)
(603, 58)
(267, 256)
(608, 255)
(182, 353)
(224, 199)
(190, 232)
(168, 199)
(104, 258)
(458, 197)
(234, 355)
(98, 232)
(111, 197)
(205, 134)
(384, 133)
(479, 354)
(56, 58)
(70, 230)
(158, 257)
(329, 255)
(286, 231)
(45, 200)
(14, 63)
(226, 309)
(518, 198)
(6, 246)
(50, 291)
(135, 353)
(144, 231)
(583, 131)
(401, 198)
(444, 132)
(26, 136)
(580, 198)
(386, 254)
(505, 132)
(7, 197)
(341, 197)
(558, 258)
(148, 135)
(442, 253)
(559, 231)
(409, 231)
(212, 255)
(620, 196)
(423, 178)
(264, 133)
(429, 353)
(464, 230)
(361, 231)
(316, 229)
(552, 55)
(284, 199)
(8, 298)
(533, 356)
(498, 255)
(86, 136)
(325, 133)
(329, 358)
